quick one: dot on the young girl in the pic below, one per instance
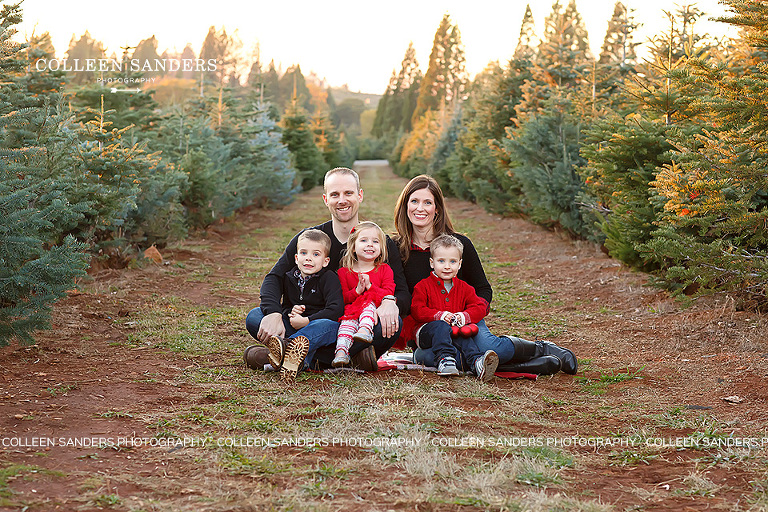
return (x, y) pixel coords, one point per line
(365, 281)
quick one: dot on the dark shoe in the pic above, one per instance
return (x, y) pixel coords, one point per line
(526, 350)
(276, 346)
(295, 353)
(486, 365)
(256, 356)
(366, 360)
(568, 358)
(542, 365)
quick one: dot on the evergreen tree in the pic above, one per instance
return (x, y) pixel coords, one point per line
(37, 262)
(327, 140)
(84, 48)
(307, 158)
(396, 107)
(443, 84)
(625, 153)
(527, 40)
(715, 196)
(146, 52)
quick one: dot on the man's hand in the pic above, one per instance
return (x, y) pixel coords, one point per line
(389, 316)
(271, 325)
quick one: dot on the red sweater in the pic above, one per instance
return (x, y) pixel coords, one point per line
(382, 284)
(430, 299)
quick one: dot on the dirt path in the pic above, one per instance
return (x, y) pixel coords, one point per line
(144, 355)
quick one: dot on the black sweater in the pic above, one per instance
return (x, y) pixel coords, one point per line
(321, 296)
(272, 287)
(417, 268)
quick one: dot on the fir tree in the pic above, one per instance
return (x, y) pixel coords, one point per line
(445, 79)
(307, 158)
(715, 206)
(37, 262)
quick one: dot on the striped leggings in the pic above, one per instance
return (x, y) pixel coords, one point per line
(347, 328)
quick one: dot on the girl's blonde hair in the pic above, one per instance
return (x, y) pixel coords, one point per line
(349, 258)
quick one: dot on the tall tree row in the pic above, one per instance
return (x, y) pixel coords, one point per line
(94, 180)
(661, 160)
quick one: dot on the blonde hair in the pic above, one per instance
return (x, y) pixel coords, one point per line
(349, 258)
(447, 241)
(442, 223)
(315, 235)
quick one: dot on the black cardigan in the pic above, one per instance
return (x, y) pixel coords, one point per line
(272, 287)
(321, 296)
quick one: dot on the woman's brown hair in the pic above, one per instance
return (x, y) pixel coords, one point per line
(441, 224)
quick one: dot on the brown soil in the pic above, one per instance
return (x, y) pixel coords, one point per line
(82, 381)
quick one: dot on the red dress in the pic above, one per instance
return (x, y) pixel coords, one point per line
(382, 284)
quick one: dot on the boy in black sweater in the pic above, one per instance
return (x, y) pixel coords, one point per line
(311, 304)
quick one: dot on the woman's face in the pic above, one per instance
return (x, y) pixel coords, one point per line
(422, 209)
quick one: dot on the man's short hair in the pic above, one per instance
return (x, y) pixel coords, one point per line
(342, 170)
(448, 241)
(315, 235)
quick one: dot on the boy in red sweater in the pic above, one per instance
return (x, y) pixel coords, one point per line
(442, 301)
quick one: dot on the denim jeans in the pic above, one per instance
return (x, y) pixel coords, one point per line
(437, 334)
(484, 341)
(319, 332)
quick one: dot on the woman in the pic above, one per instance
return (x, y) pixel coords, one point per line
(420, 216)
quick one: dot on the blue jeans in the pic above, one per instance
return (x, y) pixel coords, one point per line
(319, 332)
(484, 340)
(437, 334)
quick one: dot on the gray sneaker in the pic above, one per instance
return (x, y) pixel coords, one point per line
(447, 367)
(485, 366)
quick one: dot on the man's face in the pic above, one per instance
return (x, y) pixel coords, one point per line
(342, 197)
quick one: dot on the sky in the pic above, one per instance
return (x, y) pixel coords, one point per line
(345, 42)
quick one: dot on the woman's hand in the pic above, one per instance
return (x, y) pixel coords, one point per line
(297, 310)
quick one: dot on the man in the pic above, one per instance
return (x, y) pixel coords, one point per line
(342, 196)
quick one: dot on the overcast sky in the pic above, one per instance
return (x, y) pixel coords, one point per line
(346, 42)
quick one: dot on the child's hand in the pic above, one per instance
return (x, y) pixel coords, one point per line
(297, 310)
(459, 319)
(363, 283)
(298, 321)
(447, 317)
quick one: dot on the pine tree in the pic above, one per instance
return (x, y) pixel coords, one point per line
(714, 197)
(84, 48)
(307, 158)
(443, 84)
(38, 263)
(527, 40)
(625, 153)
(396, 107)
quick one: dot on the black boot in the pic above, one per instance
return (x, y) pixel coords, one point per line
(526, 350)
(542, 365)
(570, 364)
